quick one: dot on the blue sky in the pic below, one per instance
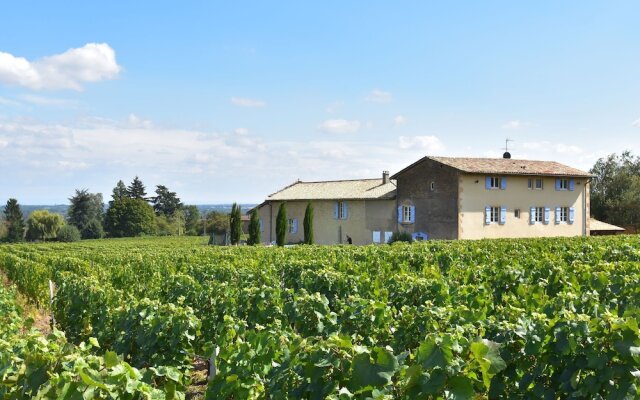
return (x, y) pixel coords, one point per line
(229, 101)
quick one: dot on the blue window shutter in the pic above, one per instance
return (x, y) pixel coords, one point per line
(295, 225)
(572, 214)
(346, 210)
(336, 211)
(487, 215)
(487, 182)
(557, 183)
(400, 214)
(260, 222)
(572, 184)
(532, 215)
(503, 215)
(558, 211)
(503, 183)
(547, 215)
(413, 214)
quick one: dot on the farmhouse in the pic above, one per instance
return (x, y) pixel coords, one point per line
(440, 198)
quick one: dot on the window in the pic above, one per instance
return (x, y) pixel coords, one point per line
(562, 214)
(495, 182)
(538, 214)
(293, 225)
(376, 236)
(341, 210)
(406, 214)
(535, 183)
(261, 226)
(516, 213)
(433, 186)
(494, 214)
(563, 184)
(387, 236)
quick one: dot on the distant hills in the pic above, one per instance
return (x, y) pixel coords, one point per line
(62, 208)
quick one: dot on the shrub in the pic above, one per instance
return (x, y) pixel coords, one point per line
(401, 237)
(68, 233)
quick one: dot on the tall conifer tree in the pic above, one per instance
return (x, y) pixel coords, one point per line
(308, 224)
(281, 225)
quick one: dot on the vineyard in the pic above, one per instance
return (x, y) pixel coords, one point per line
(543, 318)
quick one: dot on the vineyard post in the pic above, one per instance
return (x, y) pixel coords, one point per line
(212, 364)
(51, 291)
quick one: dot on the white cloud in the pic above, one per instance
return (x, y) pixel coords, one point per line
(399, 120)
(515, 124)
(8, 102)
(47, 101)
(93, 62)
(3, 143)
(636, 123)
(246, 102)
(241, 131)
(379, 96)
(138, 122)
(339, 126)
(429, 144)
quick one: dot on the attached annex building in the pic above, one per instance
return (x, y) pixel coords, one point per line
(440, 198)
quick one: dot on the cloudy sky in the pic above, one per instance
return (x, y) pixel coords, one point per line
(229, 101)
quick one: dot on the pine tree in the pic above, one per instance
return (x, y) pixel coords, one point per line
(15, 221)
(85, 213)
(308, 224)
(235, 223)
(281, 225)
(119, 192)
(254, 228)
(137, 190)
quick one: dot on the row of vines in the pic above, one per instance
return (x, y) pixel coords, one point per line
(538, 318)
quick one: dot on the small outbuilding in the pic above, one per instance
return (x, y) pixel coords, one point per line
(599, 228)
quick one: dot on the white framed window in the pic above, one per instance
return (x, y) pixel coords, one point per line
(494, 182)
(406, 214)
(293, 225)
(539, 214)
(563, 184)
(376, 236)
(494, 216)
(535, 183)
(562, 214)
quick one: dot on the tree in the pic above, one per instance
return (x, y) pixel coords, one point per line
(129, 217)
(119, 192)
(216, 222)
(308, 224)
(235, 223)
(615, 190)
(43, 225)
(137, 190)
(165, 202)
(254, 228)
(191, 220)
(14, 220)
(85, 213)
(281, 225)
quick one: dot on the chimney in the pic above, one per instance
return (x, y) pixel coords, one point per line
(385, 177)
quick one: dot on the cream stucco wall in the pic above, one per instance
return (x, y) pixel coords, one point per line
(473, 198)
(363, 218)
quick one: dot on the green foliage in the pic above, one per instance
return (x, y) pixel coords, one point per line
(129, 217)
(235, 224)
(119, 192)
(14, 221)
(527, 318)
(69, 233)
(135, 191)
(217, 223)
(85, 213)
(308, 224)
(192, 221)
(254, 228)
(166, 202)
(33, 365)
(43, 225)
(401, 237)
(281, 225)
(615, 190)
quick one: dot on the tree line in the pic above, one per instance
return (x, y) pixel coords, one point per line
(129, 213)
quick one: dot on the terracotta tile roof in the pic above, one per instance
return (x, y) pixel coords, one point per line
(505, 166)
(595, 225)
(361, 189)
